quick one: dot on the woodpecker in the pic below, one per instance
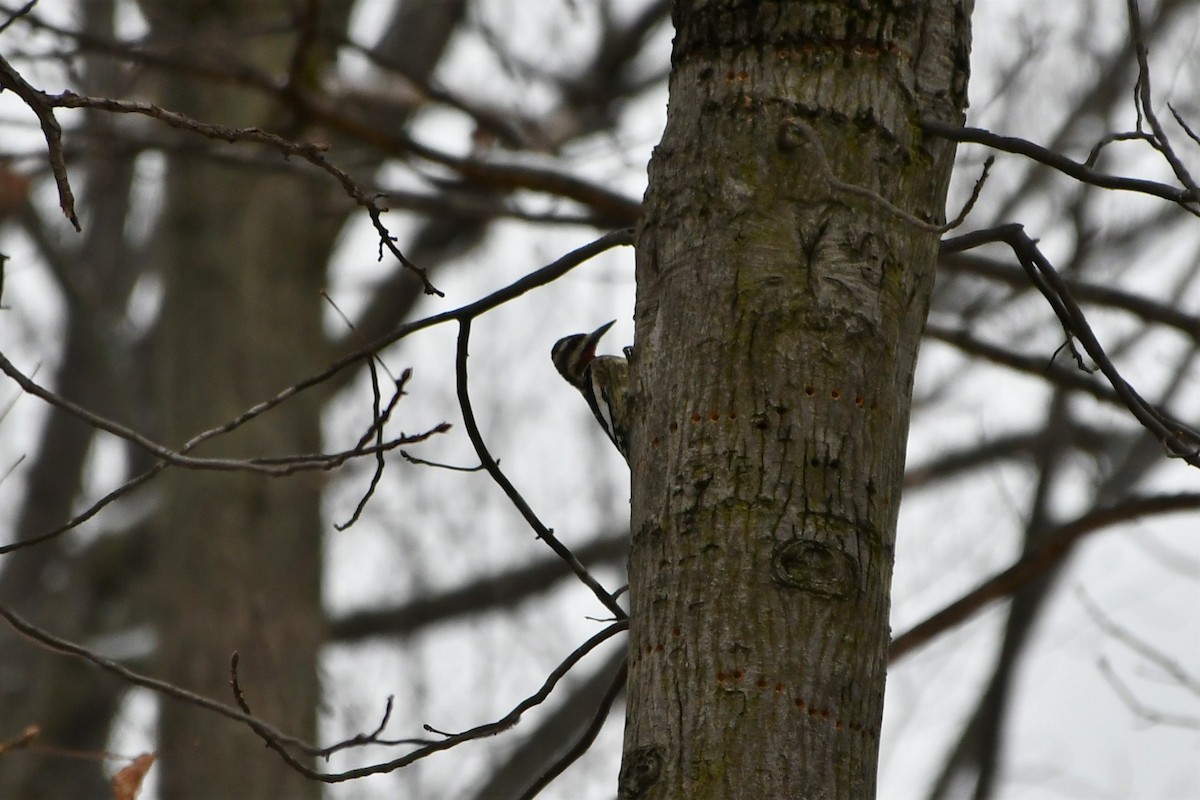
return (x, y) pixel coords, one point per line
(602, 380)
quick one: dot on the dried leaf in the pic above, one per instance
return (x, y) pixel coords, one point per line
(128, 782)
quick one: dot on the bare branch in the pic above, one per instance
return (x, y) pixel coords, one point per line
(279, 741)
(609, 208)
(17, 14)
(57, 645)
(312, 152)
(1180, 440)
(1141, 709)
(1036, 562)
(486, 593)
(519, 287)
(358, 740)
(1144, 307)
(1074, 169)
(1145, 103)
(43, 109)
(586, 739)
(274, 466)
(1169, 666)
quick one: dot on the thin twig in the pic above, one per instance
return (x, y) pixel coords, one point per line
(12, 468)
(357, 740)
(1169, 666)
(410, 458)
(1105, 141)
(1191, 134)
(95, 508)
(1141, 709)
(379, 418)
(493, 469)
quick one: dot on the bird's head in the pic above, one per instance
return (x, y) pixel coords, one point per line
(571, 354)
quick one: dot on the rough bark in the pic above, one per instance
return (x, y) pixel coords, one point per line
(777, 329)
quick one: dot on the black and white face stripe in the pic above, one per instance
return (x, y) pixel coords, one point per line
(572, 354)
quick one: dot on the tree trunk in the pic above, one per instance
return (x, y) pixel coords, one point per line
(777, 330)
(239, 555)
(242, 255)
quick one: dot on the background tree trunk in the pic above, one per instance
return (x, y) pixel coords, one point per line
(242, 255)
(777, 332)
(73, 593)
(239, 556)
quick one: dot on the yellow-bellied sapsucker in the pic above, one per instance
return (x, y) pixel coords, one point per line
(602, 380)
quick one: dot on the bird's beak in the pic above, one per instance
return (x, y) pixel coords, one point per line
(594, 337)
(592, 340)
